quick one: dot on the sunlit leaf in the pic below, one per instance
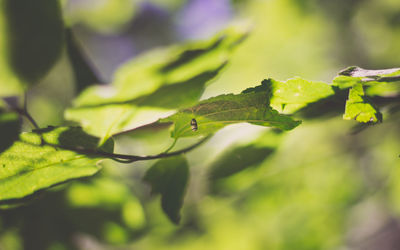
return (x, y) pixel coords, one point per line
(110, 119)
(251, 106)
(43, 158)
(359, 108)
(296, 93)
(169, 178)
(162, 79)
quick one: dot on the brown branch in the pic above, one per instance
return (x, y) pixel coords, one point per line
(131, 158)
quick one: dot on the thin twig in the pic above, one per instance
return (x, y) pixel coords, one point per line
(133, 158)
(122, 158)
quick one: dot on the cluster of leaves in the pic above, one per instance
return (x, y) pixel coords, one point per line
(161, 88)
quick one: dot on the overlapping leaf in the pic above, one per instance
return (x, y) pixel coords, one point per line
(251, 106)
(354, 75)
(169, 178)
(46, 157)
(296, 93)
(160, 80)
(358, 107)
(363, 83)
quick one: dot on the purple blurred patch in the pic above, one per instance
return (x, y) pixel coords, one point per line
(151, 27)
(106, 52)
(200, 19)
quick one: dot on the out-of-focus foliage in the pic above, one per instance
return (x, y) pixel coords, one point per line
(169, 178)
(264, 207)
(237, 160)
(31, 38)
(102, 207)
(104, 16)
(285, 42)
(108, 196)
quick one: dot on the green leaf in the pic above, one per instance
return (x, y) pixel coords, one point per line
(46, 157)
(31, 38)
(296, 93)
(169, 178)
(359, 108)
(238, 159)
(345, 82)
(10, 125)
(159, 80)
(111, 119)
(97, 202)
(179, 94)
(364, 83)
(354, 75)
(384, 89)
(251, 106)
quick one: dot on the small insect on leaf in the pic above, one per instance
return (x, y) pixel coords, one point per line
(193, 124)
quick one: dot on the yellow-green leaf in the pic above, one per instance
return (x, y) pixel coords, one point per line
(359, 108)
(158, 81)
(46, 157)
(251, 106)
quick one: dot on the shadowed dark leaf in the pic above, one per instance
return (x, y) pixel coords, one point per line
(169, 178)
(238, 159)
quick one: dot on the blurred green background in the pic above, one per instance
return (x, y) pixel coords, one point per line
(320, 186)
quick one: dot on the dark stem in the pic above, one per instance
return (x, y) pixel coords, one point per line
(132, 158)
